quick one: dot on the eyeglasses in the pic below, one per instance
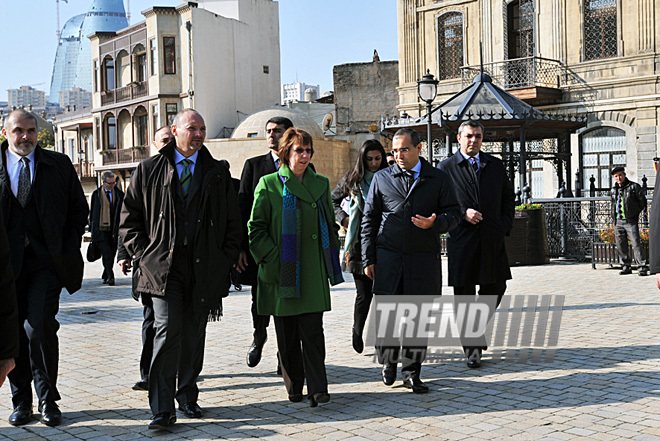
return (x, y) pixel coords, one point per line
(110, 183)
(301, 151)
(401, 150)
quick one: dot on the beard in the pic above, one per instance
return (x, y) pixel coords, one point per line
(24, 148)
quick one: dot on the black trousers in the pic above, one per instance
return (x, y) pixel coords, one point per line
(623, 231)
(492, 289)
(108, 252)
(301, 345)
(364, 294)
(259, 322)
(179, 339)
(148, 334)
(38, 292)
(411, 356)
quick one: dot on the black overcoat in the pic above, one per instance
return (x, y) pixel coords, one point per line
(390, 239)
(95, 214)
(62, 209)
(8, 305)
(477, 254)
(654, 234)
(148, 226)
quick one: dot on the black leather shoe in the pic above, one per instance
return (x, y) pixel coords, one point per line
(473, 358)
(191, 409)
(21, 415)
(295, 398)
(643, 272)
(111, 282)
(389, 373)
(141, 385)
(625, 270)
(319, 397)
(50, 413)
(358, 344)
(162, 420)
(254, 353)
(417, 385)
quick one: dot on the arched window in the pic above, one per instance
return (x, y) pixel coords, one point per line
(600, 29)
(520, 27)
(450, 45)
(602, 149)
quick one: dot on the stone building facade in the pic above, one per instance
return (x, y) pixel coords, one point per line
(596, 58)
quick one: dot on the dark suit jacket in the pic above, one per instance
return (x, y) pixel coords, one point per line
(8, 308)
(654, 234)
(476, 252)
(95, 214)
(390, 239)
(62, 209)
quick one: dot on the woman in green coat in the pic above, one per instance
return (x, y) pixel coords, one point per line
(293, 238)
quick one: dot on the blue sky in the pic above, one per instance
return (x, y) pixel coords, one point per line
(315, 35)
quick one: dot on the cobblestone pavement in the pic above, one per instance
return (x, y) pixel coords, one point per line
(603, 384)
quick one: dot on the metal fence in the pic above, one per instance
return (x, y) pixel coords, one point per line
(574, 224)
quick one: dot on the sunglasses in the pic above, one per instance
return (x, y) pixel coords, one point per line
(300, 151)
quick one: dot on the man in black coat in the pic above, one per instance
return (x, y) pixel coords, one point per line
(253, 170)
(181, 225)
(476, 247)
(104, 222)
(8, 308)
(628, 201)
(654, 236)
(45, 213)
(409, 205)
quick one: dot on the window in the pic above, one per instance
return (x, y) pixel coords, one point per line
(520, 22)
(153, 56)
(450, 45)
(602, 149)
(600, 31)
(111, 133)
(72, 150)
(109, 74)
(169, 55)
(142, 129)
(96, 75)
(170, 113)
(266, 69)
(156, 121)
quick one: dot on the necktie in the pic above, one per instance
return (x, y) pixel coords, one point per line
(475, 166)
(186, 176)
(24, 182)
(619, 206)
(410, 180)
(277, 164)
(108, 193)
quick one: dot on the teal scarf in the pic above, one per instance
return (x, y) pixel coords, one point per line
(290, 277)
(358, 198)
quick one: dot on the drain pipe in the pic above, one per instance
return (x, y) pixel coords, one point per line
(190, 58)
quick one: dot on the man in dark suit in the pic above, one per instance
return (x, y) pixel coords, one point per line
(45, 213)
(104, 221)
(253, 170)
(8, 308)
(181, 225)
(408, 206)
(162, 137)
(654, 236)
(476, 247)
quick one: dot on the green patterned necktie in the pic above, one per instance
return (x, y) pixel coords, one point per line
(24, 182)
(619, 206)
(186, 176)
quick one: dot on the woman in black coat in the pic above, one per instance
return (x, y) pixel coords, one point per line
(355, 185)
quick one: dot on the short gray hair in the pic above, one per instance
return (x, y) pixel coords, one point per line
(473, 124)
(107, 174)
(20, 114)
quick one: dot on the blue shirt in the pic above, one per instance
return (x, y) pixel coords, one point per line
(416, 169)
(178, 157)
(476, 158)
(14, 166)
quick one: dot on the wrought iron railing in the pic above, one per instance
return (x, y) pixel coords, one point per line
(575, 224)
(125, 156)
(519, 73)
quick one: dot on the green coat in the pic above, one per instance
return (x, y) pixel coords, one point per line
(265, 233)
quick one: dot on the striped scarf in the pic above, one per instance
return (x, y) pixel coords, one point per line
(290, 267)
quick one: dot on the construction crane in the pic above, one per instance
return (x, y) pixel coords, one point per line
(59, 32)
(128, 11)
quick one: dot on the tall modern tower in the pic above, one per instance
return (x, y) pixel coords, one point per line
(73, 60)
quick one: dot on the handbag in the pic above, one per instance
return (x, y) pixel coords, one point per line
(93, 252)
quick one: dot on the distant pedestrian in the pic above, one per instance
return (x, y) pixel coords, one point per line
(45, 214)
(293, 239)
(104, 222)
(628, 202)
(355, 185)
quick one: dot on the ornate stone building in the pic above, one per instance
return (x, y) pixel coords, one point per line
(596, 58)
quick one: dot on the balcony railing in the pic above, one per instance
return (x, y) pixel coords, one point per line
(520, 73)
(87, 169)
(130, 92)
(125, 156)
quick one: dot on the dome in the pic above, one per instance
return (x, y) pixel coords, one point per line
(256, 123)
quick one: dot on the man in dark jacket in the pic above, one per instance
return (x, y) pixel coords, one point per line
(181, 225)
(476, 247)
(8, 308)
(628, 201)
(654, 236)
(104, 221)
(408, 206)
(45, 213)
(253, 170)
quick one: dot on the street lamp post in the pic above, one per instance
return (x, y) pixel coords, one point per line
(427, 89)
